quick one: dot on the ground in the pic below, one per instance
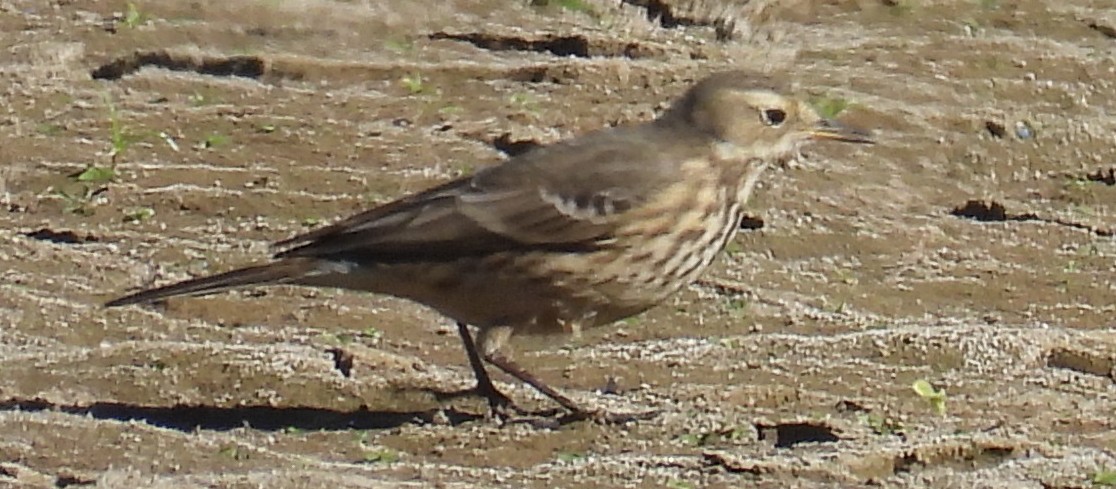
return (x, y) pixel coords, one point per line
(973, 248)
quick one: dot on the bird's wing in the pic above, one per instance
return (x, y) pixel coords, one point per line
(568, 196)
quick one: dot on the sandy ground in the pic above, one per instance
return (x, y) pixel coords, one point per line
(973, 248)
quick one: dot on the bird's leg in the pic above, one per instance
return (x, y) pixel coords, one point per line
(491, 339)
(513, 369)
(497, 400)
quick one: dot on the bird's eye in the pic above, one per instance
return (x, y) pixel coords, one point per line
(774, 117)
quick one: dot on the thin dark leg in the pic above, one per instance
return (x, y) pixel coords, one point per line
(513, 369)
(485, 387)
(576, 411)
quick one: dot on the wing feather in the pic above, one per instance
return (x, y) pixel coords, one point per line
(569, 196)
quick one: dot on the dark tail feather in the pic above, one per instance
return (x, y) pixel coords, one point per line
(284, 271)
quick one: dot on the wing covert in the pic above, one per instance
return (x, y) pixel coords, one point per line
(569, 196)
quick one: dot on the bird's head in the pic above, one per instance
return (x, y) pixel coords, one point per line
(749, 117)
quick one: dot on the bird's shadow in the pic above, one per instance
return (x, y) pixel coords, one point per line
(188, 418)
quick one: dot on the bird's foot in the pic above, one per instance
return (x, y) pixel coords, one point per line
(499, 404)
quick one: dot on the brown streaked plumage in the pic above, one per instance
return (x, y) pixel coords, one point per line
(574, 235)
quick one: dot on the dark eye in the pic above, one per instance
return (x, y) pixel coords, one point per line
(774, 117)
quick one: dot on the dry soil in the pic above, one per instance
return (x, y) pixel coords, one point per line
(973, 248)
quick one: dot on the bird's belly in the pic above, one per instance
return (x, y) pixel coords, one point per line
(552, 292)
(659, 264)
(639, 271)
(524, 290)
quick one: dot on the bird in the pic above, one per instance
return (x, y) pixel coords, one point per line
(577, 234)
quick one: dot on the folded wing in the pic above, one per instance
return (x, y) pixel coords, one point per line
(566, 197)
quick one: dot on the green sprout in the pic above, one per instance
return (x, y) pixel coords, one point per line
(399, 46)
(96, 174)
(91, 179)
(120, 137)
(48, 129)
(139, 214)
(936, 398)
(213, 140)
(381, 456)
(414, 83)
(199, 99)
(901, 7)
(881, 425)
(1105, 477)
(77, 202)
(570, 456)
(714, 437)
(372, 333)
(570, 5)
(525, 101)
(829, 107)
(451, 110)
(738, 306)
(234, 452)
(133, 18)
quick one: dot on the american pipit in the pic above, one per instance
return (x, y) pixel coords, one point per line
(574, 235)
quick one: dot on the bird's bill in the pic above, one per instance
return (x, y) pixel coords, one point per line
(828, 129)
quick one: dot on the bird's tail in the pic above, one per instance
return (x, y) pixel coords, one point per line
(280, 272)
